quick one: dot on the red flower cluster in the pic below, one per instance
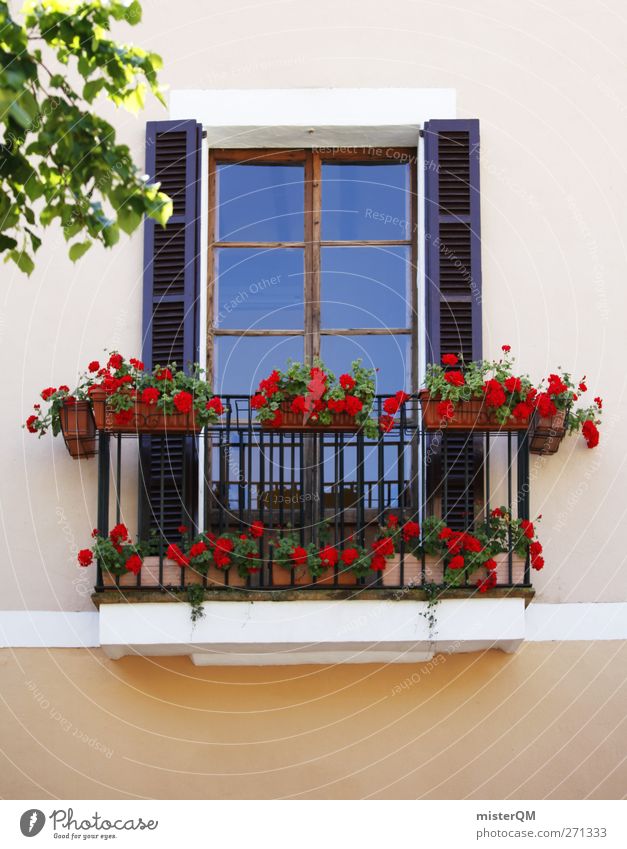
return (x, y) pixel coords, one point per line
(184, 402)
(391, 406)
(590, 433)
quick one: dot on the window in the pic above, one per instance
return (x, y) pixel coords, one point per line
(312, 254)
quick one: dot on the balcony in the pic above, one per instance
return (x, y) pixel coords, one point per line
(306, 481)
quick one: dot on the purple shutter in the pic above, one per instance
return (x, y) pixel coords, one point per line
(453, 287)
(170, 315)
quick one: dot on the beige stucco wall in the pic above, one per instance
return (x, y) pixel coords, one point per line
(545, 723)
(549, 84)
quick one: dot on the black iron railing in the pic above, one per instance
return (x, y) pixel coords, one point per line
(304, 481)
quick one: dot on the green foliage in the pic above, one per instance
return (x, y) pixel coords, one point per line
(60, 161)
(195, 597)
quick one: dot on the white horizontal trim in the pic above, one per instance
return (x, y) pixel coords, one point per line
(583, 621)
(312, 117)
(48, 629)
(294, 635)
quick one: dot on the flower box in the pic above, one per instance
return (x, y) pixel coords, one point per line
(547, 432)
(145, 418)
(78, 428)
(296, 422)
(468, 415)
(149, 573)
(434, 568)
(283, 577)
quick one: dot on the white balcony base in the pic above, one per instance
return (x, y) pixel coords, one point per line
(267, 633)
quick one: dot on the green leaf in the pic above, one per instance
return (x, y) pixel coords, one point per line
(22, 260)
(78, 249)
(6, 243)
(92, 89)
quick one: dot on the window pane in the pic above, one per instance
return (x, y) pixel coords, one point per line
(366, 201)
(242, 361)
(259, 288)
(261, 203)
(389, 354)
(365, 287)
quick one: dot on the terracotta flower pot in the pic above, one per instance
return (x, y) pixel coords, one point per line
(218, 577)
(468, 415)
(344, 578)
(146, 418)
(547, 432)
(434, 571)
(295, 421)
(172, 575)
(79, 429)
(282, 577)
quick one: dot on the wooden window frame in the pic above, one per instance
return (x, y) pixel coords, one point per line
(312, 243)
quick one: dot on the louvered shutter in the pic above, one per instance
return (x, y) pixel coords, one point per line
(453, 289)
(170, 316)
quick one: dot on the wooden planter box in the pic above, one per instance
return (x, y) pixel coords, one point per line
(79, 429)
(434, 569)
(147, 418)
(547, 432)
(469, 415)
(294, 422)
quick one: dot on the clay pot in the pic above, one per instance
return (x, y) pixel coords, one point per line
(146, 418)
(434, 571)
(294, 422)
(172, 575)
(469, 415)
(79, 429)
(282, 577)
(547, 432)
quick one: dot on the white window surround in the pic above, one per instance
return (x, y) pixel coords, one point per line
(312, 117)
(239, 633)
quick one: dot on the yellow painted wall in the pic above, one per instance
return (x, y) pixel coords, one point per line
(546, 722)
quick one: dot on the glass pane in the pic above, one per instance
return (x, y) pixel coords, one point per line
(389, 354)
(259, 288)
(261, 203)
(242, 361)
(365, 287)
(366, 201)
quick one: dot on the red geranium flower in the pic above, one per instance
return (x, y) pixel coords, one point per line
(386, 423)
(123, 417)
(182, 529)
(513, 384)
(471, 543)
(93, 366)
(277, 421)
(197, 549)
(258, 401)
(328, 556)
(556, 385)
(299, 405)
(506, 348)
(378, 563)
(590, 433)
(537, 563)
(119, 533)
(535, 548)
(383, 546)
(174, 553)
(402, 397)
(599, 402)
(115, 361)
(391, 405)
(30, 424)
(522, 410)
(85, 557)
(456, 562)
(450, 359)
(527, 528)
(136, 364)
(347, 382)
(353, 405)
(494, 393)
(336, 406)
(216, 405)
(582, 385)
(164, 374)
(349, 555)
(545, 405)
(490, 564)
(183, 401)
(150, 395)
(411, 530)
(256, 529)
(48, 393)
(133, 564)
(497, 513)
(392, 521)
(445, 533)
(298, 555)
(455, 378)
(446, 409)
